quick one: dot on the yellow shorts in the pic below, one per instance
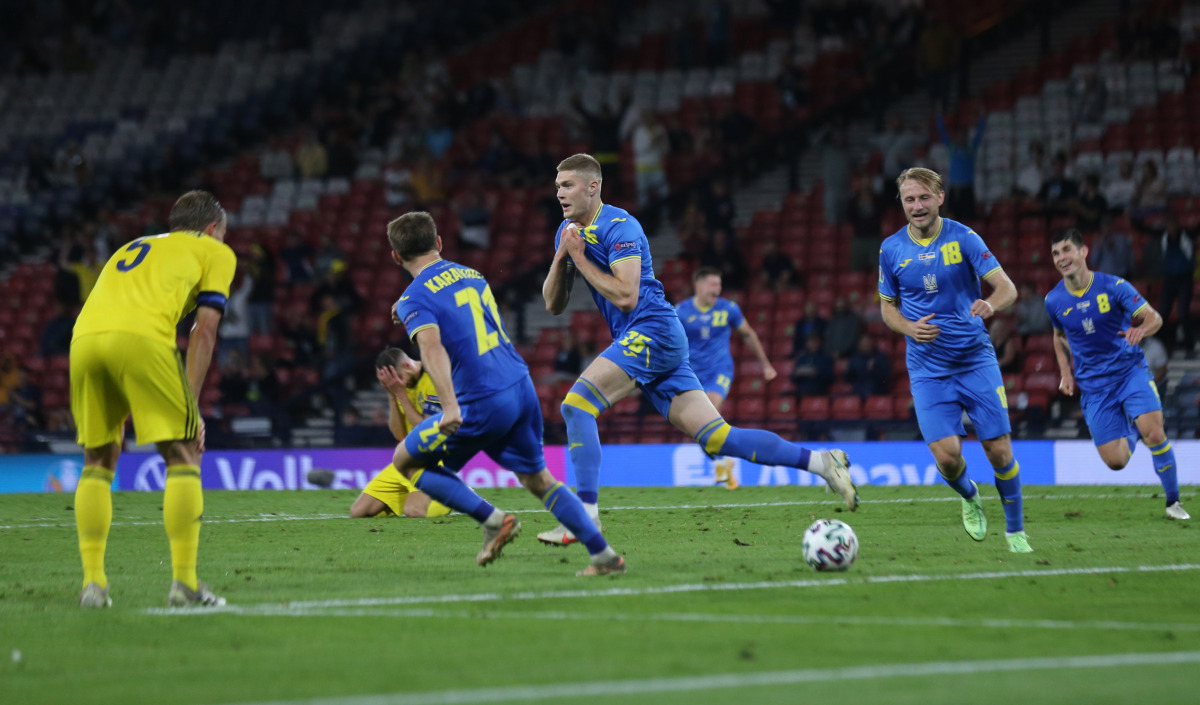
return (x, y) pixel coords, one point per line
(392, 488)
(115, 374)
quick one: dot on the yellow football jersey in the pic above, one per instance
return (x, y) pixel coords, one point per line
(148, 285)
(424, 399)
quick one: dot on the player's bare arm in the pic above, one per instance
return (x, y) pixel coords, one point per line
(437, 364)
(201, 343)
(1146, 324)
(1062, 353)
(751, 338)
(556, 290)
(395, 388)
(1004, 294)
(920, 330)
(621, 286)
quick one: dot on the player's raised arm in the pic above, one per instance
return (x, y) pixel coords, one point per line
(556, 290)
(1004, 294)
(437, 364)
(394, 386)
(620, 286)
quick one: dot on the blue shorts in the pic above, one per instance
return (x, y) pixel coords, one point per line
(507, 426)
(716, 378)
(940, 402)
(657, 361)
(1109, 413)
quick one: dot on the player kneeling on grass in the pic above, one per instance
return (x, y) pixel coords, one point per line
(1099, 320)
(411, 399)
(488, 400)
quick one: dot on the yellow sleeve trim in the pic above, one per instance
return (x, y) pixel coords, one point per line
(885, 297)
(413, 333)
(992, 271)
(1145, 305)
(637, 257)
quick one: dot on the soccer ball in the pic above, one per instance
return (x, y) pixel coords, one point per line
(830, 544)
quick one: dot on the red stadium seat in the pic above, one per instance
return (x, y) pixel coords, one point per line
(814, 408)
(878, 408)
(1042, 382)
(847, 408)
(751, 409)
(1040, 362)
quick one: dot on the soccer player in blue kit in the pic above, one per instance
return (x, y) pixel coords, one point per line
(607, 246)
(1098, 350)
(708, 319)
(929, 291)
(488, 400)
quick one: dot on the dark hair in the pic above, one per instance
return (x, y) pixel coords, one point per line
(1071, 234)
(194, 211)
(390, 357)
(705, 272)
(412, 234)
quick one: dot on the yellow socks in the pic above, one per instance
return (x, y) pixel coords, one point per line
(183, 504)
(93, 517)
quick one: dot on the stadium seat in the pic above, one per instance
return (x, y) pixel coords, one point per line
(878, 408)
(848, 408)
(814, 408)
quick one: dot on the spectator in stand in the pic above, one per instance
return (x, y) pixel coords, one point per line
(275, 162)
(1150, 196)
(338, 285)
(1031, 312)
(1005, 342)
(262, 387)
(650, 148)
(1088, 103)
(327, 253)
(568, 361)
(1058, 191)
(835, 171)
(80, 259)
(261, 269)
(778, 271)
(813, 371)
(869, 368)
(297, 255)
(1089, 205)
(896, 144)
(1033, 172)
(475, 216)
(398, 185)
(1156, 360)
(1119, 192)
(1113, 252)
(312, 159)
(724, 254)
(792, 84)
(865, 215)
(604, 128)
(343, 154)
(844, 328)
(334, 342)
(938, 49)
(25, 402)
(811, 322)
(233, 384)
(736, 131)
(692, 228)
(296, 328)
(56, 336)
(720, 210)
(235, 324)
(429, 182)
(718, 23)
(960, 178)
(1178, 275)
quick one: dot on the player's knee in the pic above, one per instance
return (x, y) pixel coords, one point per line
(1156, 437)
(1115, 463)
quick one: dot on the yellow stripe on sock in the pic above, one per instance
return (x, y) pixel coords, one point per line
(709, 426)
(1162, 450)
(1010, 474)
(962, 467)
(595, 390)
(577, 401)
(717, 440)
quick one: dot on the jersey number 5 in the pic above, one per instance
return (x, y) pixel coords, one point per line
(483, 338)
(142, 247)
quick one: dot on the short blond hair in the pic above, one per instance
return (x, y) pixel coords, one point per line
(927, 177)
(583, 164)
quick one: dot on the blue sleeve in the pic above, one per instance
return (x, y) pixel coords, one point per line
(1128, 298)
(1052, 314)
(976, 252)
(941, 125)
(735, 315)
(415, 314)
(888, 286)
(624, 241)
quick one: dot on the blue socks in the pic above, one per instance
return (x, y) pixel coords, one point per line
(569, 511)
(719, 438)
(960, 483)
(1164, 467)
(581, 407)
(1008, 484)
(450, 490)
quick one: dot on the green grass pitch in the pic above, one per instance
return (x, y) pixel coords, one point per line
(717, 607)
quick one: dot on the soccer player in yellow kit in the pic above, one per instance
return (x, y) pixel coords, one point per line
(124, 362)
(411, 399)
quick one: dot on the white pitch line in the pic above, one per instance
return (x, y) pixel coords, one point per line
(645, 686)
(745, 505)
(274, 608)
(784, 619)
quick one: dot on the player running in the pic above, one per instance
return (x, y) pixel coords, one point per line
(124, 361)
(1099, 321)
(488, 400)
(411, 399)
(929, 289)
(707, 319)
(649, 350)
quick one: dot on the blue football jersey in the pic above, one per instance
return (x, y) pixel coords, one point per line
(458, 301)
(940, 275)
(708, 330)
(616, 236)
(1093, 320)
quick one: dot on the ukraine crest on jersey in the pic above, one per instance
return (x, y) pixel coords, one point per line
(709, 330)
(1093, 320)
(615, 236)
(940, 275)
(458, 301)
